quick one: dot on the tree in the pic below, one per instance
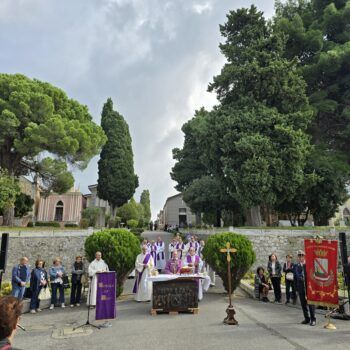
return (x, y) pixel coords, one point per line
(91, 215)
(116, 178)
(9, 191)
(240, 263)
(146, 203)
(129, 211)
(23, 205)
(36, 117)
(119, 249)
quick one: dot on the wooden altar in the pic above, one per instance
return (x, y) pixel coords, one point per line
(175, 295)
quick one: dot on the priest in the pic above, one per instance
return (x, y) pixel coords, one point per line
(173, 265)
(97, 266)
(160, 263)
(144, 264)
(193, 260)
(192, 244)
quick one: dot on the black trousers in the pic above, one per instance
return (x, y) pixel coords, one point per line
(304, 305)
(290, 285)
(276, 283)
(75, 294)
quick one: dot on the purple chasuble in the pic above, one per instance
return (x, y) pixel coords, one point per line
(139, 274)
(196, 262)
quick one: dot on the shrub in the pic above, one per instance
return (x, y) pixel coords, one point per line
(119, 249)
(241, 261)
(91, 214)
(70, 225)
(137, 231)
(30, 224)
(84, 223)
(132, 223)
(6, 288)
(47, 224)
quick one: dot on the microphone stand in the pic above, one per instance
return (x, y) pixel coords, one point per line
(87, 323)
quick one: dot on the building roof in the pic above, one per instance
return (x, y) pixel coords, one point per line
(171, 197)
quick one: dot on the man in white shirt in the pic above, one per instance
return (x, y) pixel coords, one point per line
(97, 266)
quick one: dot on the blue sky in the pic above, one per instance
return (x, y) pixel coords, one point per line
(155, 59)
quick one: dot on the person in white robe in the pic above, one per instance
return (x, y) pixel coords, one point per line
(144, 264)
(97, 266)
(160, 263)
(192, 243)
(172, 247)
(206, 267)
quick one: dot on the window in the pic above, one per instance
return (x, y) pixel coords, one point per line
(59, 211)
(182, 210)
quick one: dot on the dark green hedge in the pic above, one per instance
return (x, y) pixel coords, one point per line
(241, 261)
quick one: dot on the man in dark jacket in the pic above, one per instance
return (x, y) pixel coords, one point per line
(301, 282)
(20, 277)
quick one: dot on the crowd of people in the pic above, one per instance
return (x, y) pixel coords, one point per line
(295, 283)
(55, 277)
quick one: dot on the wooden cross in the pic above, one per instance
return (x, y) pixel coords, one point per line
(230, 310)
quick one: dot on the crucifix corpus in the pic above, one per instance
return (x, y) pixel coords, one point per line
(230, 319)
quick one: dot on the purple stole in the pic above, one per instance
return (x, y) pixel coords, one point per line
(154, 252)
(194, 244)
(160, 244)
(196, 261)
(182, 247)
(139, 274)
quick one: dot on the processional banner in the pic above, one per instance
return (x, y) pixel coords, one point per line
(106, 296)
(321, 270)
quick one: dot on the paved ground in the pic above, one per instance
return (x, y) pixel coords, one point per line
(261, 326)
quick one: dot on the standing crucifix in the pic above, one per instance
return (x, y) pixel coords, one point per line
(230, 319)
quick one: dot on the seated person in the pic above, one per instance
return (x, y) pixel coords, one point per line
(10, 312)
(193, 260)
(261, 285)
(173, 265)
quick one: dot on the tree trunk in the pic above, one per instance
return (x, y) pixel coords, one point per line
(218, 218)
(9, 216)
(253, 216)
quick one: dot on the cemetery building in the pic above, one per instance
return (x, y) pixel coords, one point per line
(63, 208)
(92, 200)
(177, 213)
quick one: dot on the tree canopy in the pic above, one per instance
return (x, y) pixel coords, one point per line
(116, 178)
(145, 201)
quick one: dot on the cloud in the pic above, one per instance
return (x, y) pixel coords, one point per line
(155, 59)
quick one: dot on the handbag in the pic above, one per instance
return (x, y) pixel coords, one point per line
(44, 294)
(289, 276)
(65, 280)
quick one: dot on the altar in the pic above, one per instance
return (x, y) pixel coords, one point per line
(176, 293)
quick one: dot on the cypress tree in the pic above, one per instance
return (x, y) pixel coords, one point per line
(116, 178)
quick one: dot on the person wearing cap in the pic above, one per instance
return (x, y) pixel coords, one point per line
(288, 269)
(301, 283)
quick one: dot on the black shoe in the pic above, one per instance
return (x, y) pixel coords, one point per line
(305, 322)
(313, 323)
(287, 302)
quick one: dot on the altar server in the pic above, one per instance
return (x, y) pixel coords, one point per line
(172, 247)
(192, 244)
(144, 264)
(173, 265)
(160, 263)
(97, 266)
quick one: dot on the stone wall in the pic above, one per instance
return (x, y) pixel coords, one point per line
(46, 245)
(67, 244)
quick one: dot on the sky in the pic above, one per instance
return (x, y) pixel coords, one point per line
(154, 58)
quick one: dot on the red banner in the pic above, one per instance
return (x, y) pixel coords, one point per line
(321, 268)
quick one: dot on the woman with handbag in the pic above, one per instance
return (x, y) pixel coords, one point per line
(77, 273)
(38, 281)
(288, 269)
(275, 273)
(57, 273)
